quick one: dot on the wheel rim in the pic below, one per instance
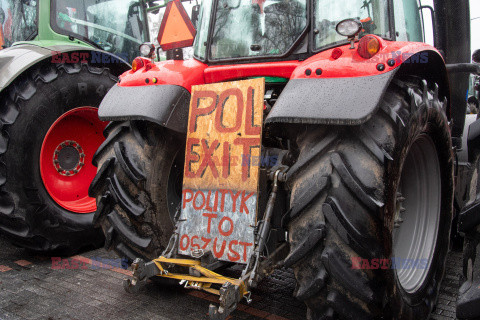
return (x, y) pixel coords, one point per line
(417, 216)
(66, 158)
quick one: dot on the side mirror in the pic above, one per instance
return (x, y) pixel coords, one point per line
(476, 56)
(430, 37)
(195, 14)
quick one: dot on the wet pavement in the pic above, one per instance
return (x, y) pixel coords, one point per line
(37, 287)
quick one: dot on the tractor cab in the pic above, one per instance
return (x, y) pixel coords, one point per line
(250, 30)
(115, 26)
(17, 22)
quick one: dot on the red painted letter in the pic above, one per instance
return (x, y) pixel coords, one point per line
(197, 112)
(239, 110)
(235, 256)
(229, 231)
(250, 127)
(210, 216)
(185, 199)
(218, 254)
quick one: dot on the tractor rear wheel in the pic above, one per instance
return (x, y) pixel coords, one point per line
(50, 132)
(138, 187)
(371, 210)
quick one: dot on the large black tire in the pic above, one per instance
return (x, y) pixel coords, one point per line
(29, 217)
(138, 187)
(343, 201)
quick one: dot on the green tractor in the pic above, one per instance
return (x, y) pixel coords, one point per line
(59, 59)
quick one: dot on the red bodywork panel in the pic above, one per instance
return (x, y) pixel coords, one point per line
(283, 69)
(349, 64)
(185, 73)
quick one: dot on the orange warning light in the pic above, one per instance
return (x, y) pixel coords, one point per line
(176, 30)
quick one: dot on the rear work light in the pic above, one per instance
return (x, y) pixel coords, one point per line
(147, 50)
(368, 47)
(137, 64)
(349, 27)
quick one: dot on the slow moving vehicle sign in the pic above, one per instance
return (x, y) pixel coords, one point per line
(220, 185)
(176, 30)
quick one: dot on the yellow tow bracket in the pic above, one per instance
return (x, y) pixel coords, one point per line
(199, 283)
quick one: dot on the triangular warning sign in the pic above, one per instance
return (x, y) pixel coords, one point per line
(176, 30)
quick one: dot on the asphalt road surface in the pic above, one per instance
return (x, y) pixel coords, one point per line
(37, 287)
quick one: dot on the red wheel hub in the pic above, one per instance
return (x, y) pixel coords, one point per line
(66, 158)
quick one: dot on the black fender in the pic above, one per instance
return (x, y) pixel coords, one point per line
(302, 101)
(166, 105)
(19, 58)
(350, 101)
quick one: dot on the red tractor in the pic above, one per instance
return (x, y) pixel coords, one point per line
(316, 135)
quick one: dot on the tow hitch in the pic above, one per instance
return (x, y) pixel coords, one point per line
(231, 291)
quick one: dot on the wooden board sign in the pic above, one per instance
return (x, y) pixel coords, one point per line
(220, 183)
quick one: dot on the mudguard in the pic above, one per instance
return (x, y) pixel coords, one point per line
(327, 91)
(166, 105)
(330, 101)
(18, 58)
(302, 101)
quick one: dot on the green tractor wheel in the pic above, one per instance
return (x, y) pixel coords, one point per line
(50, 132)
